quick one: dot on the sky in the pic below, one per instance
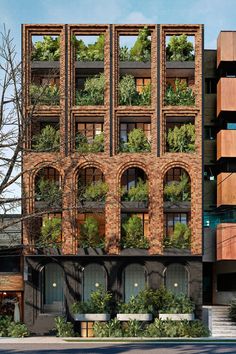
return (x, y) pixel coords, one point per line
(216, 15)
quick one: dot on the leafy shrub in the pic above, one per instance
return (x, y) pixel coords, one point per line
(48, 191)
(83, 146)
(179, 49)
(138, 193)
(5, 322)
(137, 142)
(50, 233)
(47, 140)
(129, 96)
(17, 330)
(133, 328)
(64, 328)
(45, 95)
(175, 191)
(93, 92)
(232, 310)
(181, 95)
(99, 302)
(178, 304)
(94, 192)
(180, 238)
(181, 139)
(46, 50)
(89, 234)
(90, 52)
(132, 233)
(141, 51)
(141, 303)
(112, 328)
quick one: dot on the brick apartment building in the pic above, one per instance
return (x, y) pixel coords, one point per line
(54, 277)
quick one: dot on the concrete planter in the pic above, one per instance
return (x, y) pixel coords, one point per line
(176, 316)
(87, 317)
(134, 205)
(91, 205)
(134, 316)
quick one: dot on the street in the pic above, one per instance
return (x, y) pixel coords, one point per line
(113, 348)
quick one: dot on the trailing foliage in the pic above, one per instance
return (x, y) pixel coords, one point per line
(137, 142)
(112, 328)
(83, 146)
(179, 49)
(50, 233)
(46, 50)
(141, 50)
(181, 139)
(178, 191)
(181, 95)
(181, 237)
(93, 92)
(89, 234)
(8, 328)
(48, 95)
(64, 328)
(232, 310)
(90, 52)
(49, 192)
(138, 193)
(47, 140)
(94, 192)
(99, 302)
(128, 94)
(132, 233)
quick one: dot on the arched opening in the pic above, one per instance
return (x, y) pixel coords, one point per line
(94, 277)
(177, 208)
(47, 187)
(134, 280)
(177, 278)
(53, 288)
(91, 185)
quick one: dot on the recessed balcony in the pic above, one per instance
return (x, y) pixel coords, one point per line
(226, 143)
(226, 92)
(226, 192)
(225, 244)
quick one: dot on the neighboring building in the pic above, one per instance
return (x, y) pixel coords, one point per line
(55, 280)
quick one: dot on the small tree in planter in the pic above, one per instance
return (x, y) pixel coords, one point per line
(178, 191)
(46, 50)
(89, 234)
(83, 146)
(48, 192)
(48, 95)
(132, 234)
(179, 307)
(93, 92)
(128, 94)
(181, 237)
(90, 52)
(94, 192)
(181, 139)
(141, 50)
(179, 49)
(181, 95)
(47, 140)
(137, 142)
(50, 236)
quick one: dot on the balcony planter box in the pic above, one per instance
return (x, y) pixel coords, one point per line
(134, 205)
(175, 206)
(92, 317)
(142, 317)
(176, 316)
(91, 205)
(40, 205)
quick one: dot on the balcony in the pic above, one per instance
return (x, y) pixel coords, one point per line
(226, 143)
(226, 192)
(226, 92)
(225, 241)
(226, 47)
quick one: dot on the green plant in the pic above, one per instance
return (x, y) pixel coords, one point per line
(48, 49)
(95, 191)
(179, 49)
(232, 310)
(133, 328)
(141, 50)
(83, 146)
(99, 302)
(48, 191)
(5, 322)
(112, 328)
(90, 52)
(132, 233)
(89, 234)
(45, 95)
(141, 303)
(181, 95)
(181, 139)
(128, 94)
(50, 233)
(178, 304)
(47, 140)
(64, 328)
(17, 330)
(176, 191)
(93, 92)
(137, 142)
(138, 193)
(180, 238)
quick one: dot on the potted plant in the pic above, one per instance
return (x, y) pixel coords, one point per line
(137, 142)
(136, 197)
(180, 95)
(141, 50)
(50, 236)
(48, 140)
(128, 94)
(96, 309)
(48, 95)
(48, 194)
(179, 49)
(46, 50)
(178, 193)
(179, 308)
(89, 234)
(83, 146)
(181, 139)
(93, 195)
(93, 92)
(181, 237)
(132, 233)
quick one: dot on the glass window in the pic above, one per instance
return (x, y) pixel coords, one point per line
(171, 219)
(126, 128)
(134, 280)
(231, 126)
(210, 85)
(94, 277)
(176, 279)
(210, 133)
(53, 284)
(131, 176)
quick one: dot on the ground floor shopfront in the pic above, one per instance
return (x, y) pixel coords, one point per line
(53, 284)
